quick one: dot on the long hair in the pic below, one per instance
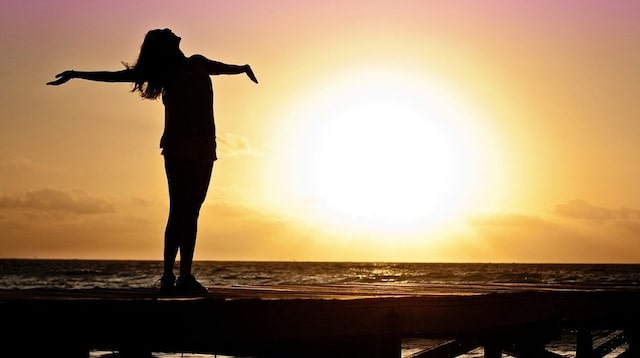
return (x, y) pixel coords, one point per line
(157, 62)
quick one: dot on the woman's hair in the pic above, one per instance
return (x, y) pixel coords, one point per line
(157, 62)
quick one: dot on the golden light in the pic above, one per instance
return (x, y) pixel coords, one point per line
(384, 150)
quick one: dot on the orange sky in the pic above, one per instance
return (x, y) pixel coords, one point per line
(493, 131)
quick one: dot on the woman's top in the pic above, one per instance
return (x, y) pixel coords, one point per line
(189, 128)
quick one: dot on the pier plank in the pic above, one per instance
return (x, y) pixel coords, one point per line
(608, 343)
(301, 321)
(447, 349)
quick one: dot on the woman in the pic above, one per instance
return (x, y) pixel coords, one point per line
(188, 141)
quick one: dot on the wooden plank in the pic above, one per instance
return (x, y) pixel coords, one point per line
(608, 343)
(535, 354)
(447, 349)
(281, 322)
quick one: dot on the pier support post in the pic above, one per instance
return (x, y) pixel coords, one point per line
(530, 349)
(584, 344)
(492, 350)
(372, 347)
(633, 338)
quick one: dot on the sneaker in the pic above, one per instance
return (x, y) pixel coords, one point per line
(189, 284)
(167, 283)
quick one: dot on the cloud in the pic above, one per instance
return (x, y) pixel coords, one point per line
(629, 214)
(24, 164)
(632, 226)
(56, 200)
(74, 224)
(233, 145)
(508, 219)
(527, 237)
(581, 209)
(57, 223)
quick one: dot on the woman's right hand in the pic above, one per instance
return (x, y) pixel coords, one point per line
(249, 72)
(62, 77)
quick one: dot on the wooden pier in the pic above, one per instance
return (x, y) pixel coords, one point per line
(334, 321)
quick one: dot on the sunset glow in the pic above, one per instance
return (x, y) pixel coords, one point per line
(384, 149)
(379, 131)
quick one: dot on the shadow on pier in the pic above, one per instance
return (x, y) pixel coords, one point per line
(284, 322)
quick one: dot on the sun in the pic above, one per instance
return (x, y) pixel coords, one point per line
(380, 149)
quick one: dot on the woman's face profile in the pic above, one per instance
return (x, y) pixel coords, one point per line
(165, 38)
(172, 38)
(175, 38)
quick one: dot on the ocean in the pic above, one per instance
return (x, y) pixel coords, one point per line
(436, 277)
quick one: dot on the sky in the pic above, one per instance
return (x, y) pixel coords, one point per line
(407, 131)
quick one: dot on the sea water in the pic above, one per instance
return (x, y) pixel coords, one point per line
(78, 274)
(445, 277)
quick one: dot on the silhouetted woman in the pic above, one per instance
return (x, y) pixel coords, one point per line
(188, 141)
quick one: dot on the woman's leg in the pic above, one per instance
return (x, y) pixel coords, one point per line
(188, 184)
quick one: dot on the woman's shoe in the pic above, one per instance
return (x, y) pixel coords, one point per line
(189, 284)
(167, 284)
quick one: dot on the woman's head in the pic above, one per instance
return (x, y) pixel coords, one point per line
(158, 59)
(160, 42)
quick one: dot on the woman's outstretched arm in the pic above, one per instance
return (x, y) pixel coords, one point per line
(219, 68)
(127, 75)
